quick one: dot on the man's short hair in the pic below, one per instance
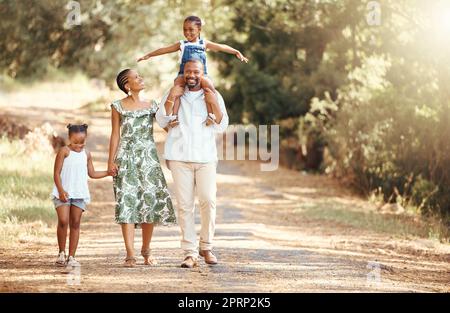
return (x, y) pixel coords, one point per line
(195, 60)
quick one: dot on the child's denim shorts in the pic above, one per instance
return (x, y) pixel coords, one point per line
(76, 202)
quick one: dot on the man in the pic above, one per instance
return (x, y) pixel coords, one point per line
(190, 151)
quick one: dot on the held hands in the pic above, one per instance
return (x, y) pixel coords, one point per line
(112, 169)
(63, 196)
(241, 57)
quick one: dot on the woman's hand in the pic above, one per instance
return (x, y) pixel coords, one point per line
(241, 57)
(63, 196)
(113, 169)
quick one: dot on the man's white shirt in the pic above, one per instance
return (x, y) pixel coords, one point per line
(192, 140)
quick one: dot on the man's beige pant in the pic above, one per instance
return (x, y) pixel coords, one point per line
(190, 177)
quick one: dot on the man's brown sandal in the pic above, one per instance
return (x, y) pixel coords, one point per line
(210, 258)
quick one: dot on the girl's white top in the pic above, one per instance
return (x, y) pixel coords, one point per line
(74, 176)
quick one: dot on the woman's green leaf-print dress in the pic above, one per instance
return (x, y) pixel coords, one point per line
(140, 187)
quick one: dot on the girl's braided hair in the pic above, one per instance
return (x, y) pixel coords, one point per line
(194, 19)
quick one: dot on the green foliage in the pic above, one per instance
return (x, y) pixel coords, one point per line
(112, 34)
(24, 186)
(297, 50)
(376, 97)
(34, 36)
(383, 139)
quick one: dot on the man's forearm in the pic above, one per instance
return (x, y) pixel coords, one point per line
(168, 105)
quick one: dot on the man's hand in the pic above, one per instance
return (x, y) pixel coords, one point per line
(174, 123)
(175, 92)
(241, 57)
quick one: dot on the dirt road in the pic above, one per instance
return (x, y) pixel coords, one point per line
(263, 245)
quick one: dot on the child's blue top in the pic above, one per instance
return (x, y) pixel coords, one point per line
(192, 50)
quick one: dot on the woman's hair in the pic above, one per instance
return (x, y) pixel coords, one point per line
(122, 79)
(77, 128)
(194, 19)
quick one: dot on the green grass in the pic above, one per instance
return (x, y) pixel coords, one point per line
(25, 186)
(99, 105)
(397, 225)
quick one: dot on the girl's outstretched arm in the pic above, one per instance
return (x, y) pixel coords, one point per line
(91, 170)
(169, 49)
(59, 160)
(225, 48)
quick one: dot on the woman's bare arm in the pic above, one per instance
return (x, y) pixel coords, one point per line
(113, 141)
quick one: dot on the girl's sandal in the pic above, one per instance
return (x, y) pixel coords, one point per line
(130, 262)
(148, 259)
(174, 122)
(211, 119)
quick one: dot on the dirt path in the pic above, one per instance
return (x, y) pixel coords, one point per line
(261, 243)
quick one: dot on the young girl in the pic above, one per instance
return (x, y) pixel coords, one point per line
(193, 47)
(70, 192)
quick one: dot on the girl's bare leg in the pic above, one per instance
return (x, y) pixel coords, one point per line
(63, 212)
(75, 219)
(179, 81)
(207, 83)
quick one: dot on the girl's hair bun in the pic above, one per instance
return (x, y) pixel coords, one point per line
(77, 128)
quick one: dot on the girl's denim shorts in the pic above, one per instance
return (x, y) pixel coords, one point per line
(76, 202)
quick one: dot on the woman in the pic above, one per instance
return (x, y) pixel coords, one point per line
(140, 189)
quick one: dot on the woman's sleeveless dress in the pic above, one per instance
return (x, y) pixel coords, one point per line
(140, 188)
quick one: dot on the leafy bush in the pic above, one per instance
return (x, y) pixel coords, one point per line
(380, 138)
